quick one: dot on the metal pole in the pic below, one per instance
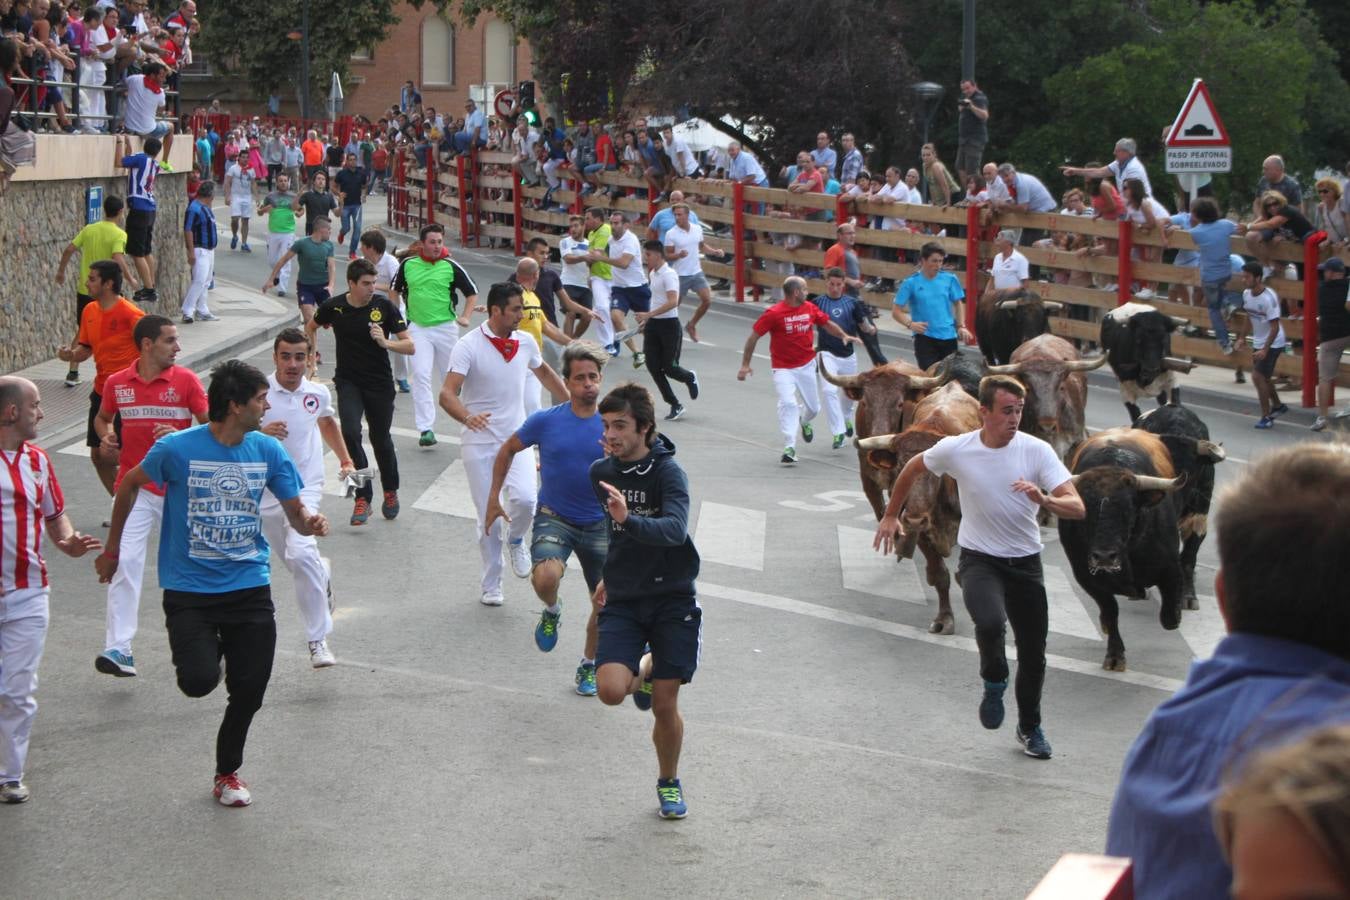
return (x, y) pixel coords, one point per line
(968, 42)
(304, 60)
(1312, 252)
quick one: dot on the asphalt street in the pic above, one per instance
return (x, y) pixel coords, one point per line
(831, 747)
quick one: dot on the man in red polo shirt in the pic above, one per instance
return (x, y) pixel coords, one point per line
(790, 325)
(153, 397)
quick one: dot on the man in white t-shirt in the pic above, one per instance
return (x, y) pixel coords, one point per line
(1010, 269)
(576, 275)
(628, 291)
(1004, 478)
(374, 248)
(300, 415)
(681, 156)
(683, 244)
(239, 197)
(1263, 310)
(894, 191)
(145, 97)
(661, 327)
(1124, 167)
(489, 365)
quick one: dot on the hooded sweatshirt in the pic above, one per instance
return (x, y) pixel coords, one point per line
(651, 552)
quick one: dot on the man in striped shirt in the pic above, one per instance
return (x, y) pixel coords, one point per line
(30, 499)
(141, 207)
(200, 236)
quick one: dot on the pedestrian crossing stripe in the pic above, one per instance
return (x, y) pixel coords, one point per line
(731, 535)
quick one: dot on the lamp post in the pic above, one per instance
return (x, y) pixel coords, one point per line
(302, 35)
(928, 93)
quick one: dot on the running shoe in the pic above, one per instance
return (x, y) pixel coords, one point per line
(281, 292)
(1264, 422)
(361, 511)
(808, 434)
(671, 795)
(639, 359)
(13, 792)
(426, 438)
(837, 442)
(1034, 743)
(642, 697)
(234, 242)
(491, 598)
(586, 686)
(404, 387)
(520, 558)
(1319, 423)
(789, 456)
(1279, 410)
(320, 657)
(1226, 348)
(72, 378)
(115, 662)
(848, 429)
(1145, 294)
(246, 248)
(165, 167)
(613, 350)
(546, 632)
(991, 705)
(208, 317)
(389, 508)
(231, 790)
(342, 236)
(693, 385)
(676, 412)
(187, 320)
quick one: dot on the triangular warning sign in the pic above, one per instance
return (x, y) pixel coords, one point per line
(1198, 124)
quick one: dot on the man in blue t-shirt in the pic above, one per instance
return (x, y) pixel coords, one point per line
(837, 357)
(568, 518)
(930, 304)
(1211, 235)
(213, 558)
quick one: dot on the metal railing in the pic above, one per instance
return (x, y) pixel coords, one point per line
(33, 96)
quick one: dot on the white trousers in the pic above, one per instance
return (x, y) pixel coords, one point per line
(277, 245)
(551, 173)
(300, 554)
(838, 407)
(430, 361)
(203, 270)
(23, 631)
(124, 591)
(604, 328)
(790, 383)
(401, 362)
(93, 72)
(519, 493)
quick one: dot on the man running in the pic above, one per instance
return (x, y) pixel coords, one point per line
(490, 365)
(239, 179)
(213, 558)
(300, 415)
(105, 334)
(661, 337)
(428, 281)
(99, 240)
(317, 270)
(629, 292)
(374, 249)
(550, 289)
(279, 207)
(151, 398)
(200, 237)
(142, 169)
(534, 320)
(1004, 478)
(683, 243)
(351, 185)
(598, 233)
(568, 520)
(572, 249)
(366, 327)
(31, 500)
(930, 303)
(788, 323)
(836, 357)
(647, 597)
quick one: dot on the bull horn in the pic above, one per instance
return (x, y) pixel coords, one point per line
(1085, 365)
(843, 381)
(1180, 321)
(875, 442)
(1052, 305)
(1211, 450)
(1009, 304)
(927, 382)
(1173, 364)
(1009, 369)
(1154, 483)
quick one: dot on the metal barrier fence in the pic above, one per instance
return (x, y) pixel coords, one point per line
(32, 98)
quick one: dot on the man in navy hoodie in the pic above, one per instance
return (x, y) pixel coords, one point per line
(650, 621)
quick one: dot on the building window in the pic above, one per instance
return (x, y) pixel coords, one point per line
(499, 53)
(364, 54)
(438, 51)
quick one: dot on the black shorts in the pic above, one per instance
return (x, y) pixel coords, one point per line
(672, 625)
(140, 231)
(310, 294)
(91, 437)
(631, 299)
(81, 301)
(581, 295)
(1266, 366)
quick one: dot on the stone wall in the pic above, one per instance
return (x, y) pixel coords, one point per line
(37, 221)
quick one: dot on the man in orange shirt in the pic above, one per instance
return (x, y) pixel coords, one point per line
(312, 150)
(843, 255)
(105, 334)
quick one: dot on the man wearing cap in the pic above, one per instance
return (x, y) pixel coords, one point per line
(1333, 324)
(1125, 166)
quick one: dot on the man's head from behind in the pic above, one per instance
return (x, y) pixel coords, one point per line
(1284, 531)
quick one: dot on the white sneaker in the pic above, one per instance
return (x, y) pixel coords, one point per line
(13, 792)
(230, 790)
(520, 558)
(1319, 423)
(320, 657)
(491, 598)
(1145, 294)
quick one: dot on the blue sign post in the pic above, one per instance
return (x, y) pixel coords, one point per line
(93, 204)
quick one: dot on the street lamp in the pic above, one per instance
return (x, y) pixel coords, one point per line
(928, 93)
(302, 35)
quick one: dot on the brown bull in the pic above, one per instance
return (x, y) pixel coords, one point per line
(1053, 374)
(932, 513)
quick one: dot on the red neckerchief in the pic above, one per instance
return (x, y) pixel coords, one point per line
(506, 346)
(445, 254)
(152, 84)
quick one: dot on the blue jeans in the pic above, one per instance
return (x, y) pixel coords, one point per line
(351, 223)
(462, 139)
(556, 538)
(1217, 297)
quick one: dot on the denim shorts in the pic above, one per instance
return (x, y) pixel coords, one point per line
(556, 538)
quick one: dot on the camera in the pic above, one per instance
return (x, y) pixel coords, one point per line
(963, 102)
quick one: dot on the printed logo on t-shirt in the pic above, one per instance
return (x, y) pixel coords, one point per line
(170, 395)
(311, 403)
(376, 315)
(797, 324)
(124, 394)
(222, 508)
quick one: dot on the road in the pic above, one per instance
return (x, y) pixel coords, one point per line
(832, 746)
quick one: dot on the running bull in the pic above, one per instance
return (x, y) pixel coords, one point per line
(1004, 322)
(1053, 374)
(1138, 342)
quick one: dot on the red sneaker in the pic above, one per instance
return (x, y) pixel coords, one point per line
(361, 511)
(230, 790)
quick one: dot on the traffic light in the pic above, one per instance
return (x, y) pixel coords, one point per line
(526, 94)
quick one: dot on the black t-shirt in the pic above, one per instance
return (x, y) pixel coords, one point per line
(349, 183)
(971, 128)
(1295, 222)
(317, 203)
(1332, 319)
(359, 359)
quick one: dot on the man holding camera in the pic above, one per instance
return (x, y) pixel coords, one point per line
(972, 129)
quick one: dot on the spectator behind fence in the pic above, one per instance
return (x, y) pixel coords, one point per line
(972, 129)
(1274, 178)
(94, 44)
(145, 97)
(824, 154)
(744, 167)
(1278, 220)
(853, 161)
(939, 185)
(1332, 214)
(17, 147)
(1125, 166)
(1283, 668)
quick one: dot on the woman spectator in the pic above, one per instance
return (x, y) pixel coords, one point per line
(1148, 216)
(629, 156)
(93, 72)
(49, 21)
(1106, 201)
(1279, 222)
(939, 184)
(1332, 214)
(496, 135)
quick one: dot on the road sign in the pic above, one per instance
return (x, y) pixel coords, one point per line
(93, 204)
(1197, 140)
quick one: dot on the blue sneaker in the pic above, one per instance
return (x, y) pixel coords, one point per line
(403, 386)
(671, 795)
(586, 680)
(1033, 743)
(1264, 422)
(546, 632)
(991, 706)
(642, 697)
(115, 662)
(234, 241)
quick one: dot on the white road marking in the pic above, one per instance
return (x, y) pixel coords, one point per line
(731, 535)
(449, 494)
(1203, 628)
(1067, 614)
(76, 449)
(871, 572)
(332, 485)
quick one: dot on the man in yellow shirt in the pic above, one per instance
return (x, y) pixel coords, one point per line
(100, 240)
(533, 321)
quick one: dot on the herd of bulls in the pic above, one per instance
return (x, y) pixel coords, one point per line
(1146, 488)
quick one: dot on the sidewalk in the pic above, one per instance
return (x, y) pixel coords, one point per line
(247, 318)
